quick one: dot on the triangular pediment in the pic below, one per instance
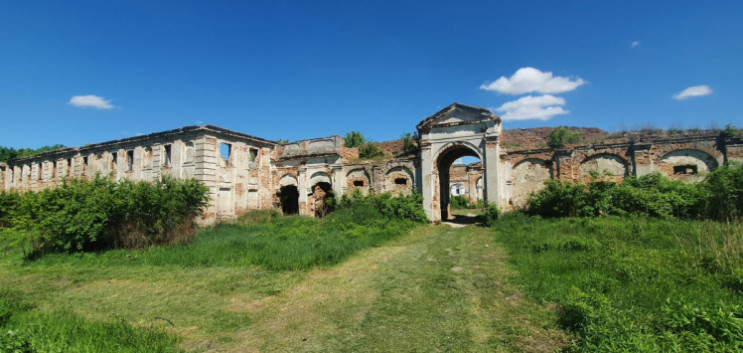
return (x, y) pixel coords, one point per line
(457, 114)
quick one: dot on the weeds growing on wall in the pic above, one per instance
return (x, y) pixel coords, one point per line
(98, 214)
(719, 196)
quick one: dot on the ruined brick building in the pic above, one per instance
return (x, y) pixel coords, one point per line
(245, 172)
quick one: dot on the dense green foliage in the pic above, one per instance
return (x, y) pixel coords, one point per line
(719, 196)
(409, 142)
(561, 136)
(490, 215)
(8, 153)
(370, 150)
(634, 284)
(408, 208)
(82, 215)
(278, 242)
(354, 139)
(8, 201)
(462, 202)
(367, 148)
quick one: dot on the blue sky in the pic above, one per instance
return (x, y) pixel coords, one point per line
(75, 72)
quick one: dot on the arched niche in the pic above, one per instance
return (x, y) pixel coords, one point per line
(320, 177)
(358, 179)
(288, 179)
(605, 164)
(687, 164)
(528, 176)
(398, 179)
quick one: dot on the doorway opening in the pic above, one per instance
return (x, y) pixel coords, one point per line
(289, 198)
(459, 168)
(324, 199)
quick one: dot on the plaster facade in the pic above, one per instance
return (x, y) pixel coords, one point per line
(245, 172)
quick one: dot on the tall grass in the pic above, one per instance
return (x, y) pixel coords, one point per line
(276, 242)
(634, 284)
(23, 329)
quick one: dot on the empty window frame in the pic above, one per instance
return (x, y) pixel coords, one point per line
(114, 160)
(85, 166)
(168, 149)
(69, 167)
(253, 154)
(225, 150)
(130, 160)
(685, 169)
(401, 181)
(358, 183)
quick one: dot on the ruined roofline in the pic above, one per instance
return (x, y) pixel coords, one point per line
(154, 135)
(452, 107)
(645, 141)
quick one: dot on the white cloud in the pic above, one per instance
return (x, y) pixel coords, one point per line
(90, 101)
(693, 91)
(635, 44)
(525, 108)
(529, 79)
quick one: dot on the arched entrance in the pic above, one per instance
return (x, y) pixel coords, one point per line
(321, 196)
(443, 165)
(289, 194)
(457, 131)
(324, 199)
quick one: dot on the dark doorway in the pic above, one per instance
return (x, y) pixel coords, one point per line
(289, 197)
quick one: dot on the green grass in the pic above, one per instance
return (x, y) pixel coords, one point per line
(384, 289)
(634, 284)
(358, 282)
(280, 243)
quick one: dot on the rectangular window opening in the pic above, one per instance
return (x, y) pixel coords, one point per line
(130, 160)
(253, 154)
(69, 166)
(401, 181)
(168, 155)
(225, 150)
(114, 159)
(358, 183)
(685, 169)
(85, 166)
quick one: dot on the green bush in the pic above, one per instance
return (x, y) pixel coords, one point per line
(491, 215)
(561, 136)
(354, 139)
(459, 202)
(723, 191)
(82, 215)
(719, 196)
(403, 207)
(370, 150)
(8, 202)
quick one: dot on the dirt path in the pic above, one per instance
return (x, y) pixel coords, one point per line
(439, 289)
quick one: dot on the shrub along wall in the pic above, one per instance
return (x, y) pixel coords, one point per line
(719, 196)
(85, 215)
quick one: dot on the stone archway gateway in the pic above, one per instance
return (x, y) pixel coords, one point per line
(456, 131)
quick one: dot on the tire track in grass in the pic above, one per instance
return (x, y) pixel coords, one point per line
(438, 289)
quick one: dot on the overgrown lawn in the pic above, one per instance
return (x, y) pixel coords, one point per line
(634, 284)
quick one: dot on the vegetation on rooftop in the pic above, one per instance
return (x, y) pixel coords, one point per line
(9, 153)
